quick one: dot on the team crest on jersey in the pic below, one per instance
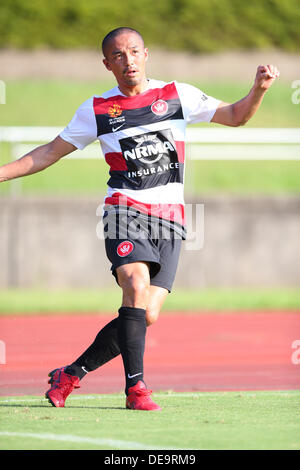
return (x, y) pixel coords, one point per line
(125, 248)
(114, 111)
(159, 107)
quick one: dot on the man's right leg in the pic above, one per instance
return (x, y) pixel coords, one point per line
(134, 279)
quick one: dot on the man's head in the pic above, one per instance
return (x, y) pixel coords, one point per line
(116, 32)
(125, 55)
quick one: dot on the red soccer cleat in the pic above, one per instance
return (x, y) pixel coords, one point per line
(139, 398)
(62, 385)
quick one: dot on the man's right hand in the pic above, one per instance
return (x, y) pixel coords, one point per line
(36, 160)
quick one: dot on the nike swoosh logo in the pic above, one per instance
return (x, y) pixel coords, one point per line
(115, 129)
(135, 375)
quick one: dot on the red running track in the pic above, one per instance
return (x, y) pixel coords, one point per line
(204, 352)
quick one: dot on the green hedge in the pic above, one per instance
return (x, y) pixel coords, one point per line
(194, 25)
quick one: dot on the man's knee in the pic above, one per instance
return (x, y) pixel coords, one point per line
(151, 316)
(156, 299)
(136, 286)
(135, 283)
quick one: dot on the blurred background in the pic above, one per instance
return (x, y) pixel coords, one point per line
(248, 179)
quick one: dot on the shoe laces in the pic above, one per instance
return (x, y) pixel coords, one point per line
(144, 392)
(64, 385)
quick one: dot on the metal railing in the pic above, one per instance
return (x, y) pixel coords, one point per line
(203, 143)
(206, 143)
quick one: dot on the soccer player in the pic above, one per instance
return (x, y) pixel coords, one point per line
(141, 128)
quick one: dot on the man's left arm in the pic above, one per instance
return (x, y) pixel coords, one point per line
(237, 114)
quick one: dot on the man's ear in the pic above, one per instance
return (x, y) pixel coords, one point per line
(146, 54)
(106, 63)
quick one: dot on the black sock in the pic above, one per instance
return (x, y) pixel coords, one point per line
(104, 348)
(131, 336)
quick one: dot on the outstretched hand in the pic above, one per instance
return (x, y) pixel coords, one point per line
(265, 76)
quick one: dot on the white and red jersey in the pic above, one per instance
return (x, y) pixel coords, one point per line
(143, 141)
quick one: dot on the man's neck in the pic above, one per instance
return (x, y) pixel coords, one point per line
(134, 90)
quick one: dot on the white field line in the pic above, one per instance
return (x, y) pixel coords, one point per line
(113, 443)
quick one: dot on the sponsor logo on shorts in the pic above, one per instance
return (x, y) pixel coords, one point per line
(159, 107)
(125, 248)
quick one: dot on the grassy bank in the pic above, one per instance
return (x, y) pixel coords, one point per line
(28, 301)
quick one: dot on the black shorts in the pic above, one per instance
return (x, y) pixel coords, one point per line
(162, 253)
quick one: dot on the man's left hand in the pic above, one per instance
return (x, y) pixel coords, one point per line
(265, 76)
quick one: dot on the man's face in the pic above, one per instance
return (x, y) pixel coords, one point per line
(125, 57)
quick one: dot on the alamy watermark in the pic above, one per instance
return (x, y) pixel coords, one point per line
(296, 93)
(295, 358)
(2, 352)
(194, 217)
(146, 221)
(2, 92)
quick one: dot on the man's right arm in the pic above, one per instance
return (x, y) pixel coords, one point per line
(37, 160)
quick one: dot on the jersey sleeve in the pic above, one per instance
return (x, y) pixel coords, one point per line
(82, 129)
(197, 106)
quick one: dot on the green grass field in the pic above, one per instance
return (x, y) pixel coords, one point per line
(261, 420)
(39, 301)
(38, 103)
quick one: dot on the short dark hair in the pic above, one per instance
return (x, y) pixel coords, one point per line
(115, 32)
